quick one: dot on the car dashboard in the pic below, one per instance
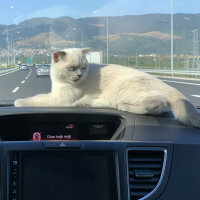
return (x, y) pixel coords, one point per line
(96, 153)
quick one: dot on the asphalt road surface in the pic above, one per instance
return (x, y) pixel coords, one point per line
(24, 83)
(190, 88)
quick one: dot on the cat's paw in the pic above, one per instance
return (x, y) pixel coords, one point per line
(20, 103)
(77, 103)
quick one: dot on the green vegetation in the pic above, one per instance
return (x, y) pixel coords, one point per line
(7, 66)
(36, 59)
(140, 62)
(152, 62)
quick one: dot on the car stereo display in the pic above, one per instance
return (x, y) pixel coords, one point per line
(68, 175)
(71, 131)
(54, 132)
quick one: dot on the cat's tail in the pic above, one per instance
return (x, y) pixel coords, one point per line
(182, 108)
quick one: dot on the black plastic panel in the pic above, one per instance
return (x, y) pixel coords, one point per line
(182, 175)
(53, 126)
(14, 123)
(118, 148)
(184, 180)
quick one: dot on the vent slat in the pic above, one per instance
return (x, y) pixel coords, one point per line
(138, 194)
(142, 186)
(151, 180)
(145, 166)
(144, 171)
(154, 171)
(159, 159)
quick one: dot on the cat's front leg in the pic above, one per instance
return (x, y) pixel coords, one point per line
(94, 101)
(21, 103)
(42, 100)
(84, 101)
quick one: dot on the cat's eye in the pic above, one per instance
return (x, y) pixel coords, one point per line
(83, 67)
(71, 68)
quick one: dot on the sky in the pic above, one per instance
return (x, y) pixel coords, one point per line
(16, 11)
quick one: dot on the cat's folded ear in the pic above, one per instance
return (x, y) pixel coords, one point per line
(58, 55)
(85, 50)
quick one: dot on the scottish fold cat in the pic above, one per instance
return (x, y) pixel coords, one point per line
(75, 83)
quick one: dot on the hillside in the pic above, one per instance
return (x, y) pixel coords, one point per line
(135, 33)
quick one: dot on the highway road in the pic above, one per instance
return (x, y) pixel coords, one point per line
(190, 88)
(24, 83)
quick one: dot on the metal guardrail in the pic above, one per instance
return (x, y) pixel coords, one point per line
(5, 70)
(168, 73)
(174, 73)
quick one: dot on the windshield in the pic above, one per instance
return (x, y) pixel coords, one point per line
(45, 66)
(157, 37)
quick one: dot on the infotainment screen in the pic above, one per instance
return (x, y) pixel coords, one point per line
(72, 131)
(68, 175)
(67, 131)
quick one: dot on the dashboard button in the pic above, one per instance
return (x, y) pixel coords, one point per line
(14, 156)
(14, 198)
(14, 192)
(14, 173)
(62, 144)
(14, 184)
(14, 177)
(14, 169)
(15, 163)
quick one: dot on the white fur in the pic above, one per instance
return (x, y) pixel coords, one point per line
(113, 86)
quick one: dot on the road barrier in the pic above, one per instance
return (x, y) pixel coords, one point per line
(166, 73)
(5, 70)
(175, 73)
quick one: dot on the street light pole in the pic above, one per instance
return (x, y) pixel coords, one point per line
(107, 36)
(172, 38)
(82, 38)
(95, 12)
(73, 35)
(125, 57)
(7, 48)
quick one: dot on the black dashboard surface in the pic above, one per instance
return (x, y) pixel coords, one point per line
(128, 126)
(117, 131)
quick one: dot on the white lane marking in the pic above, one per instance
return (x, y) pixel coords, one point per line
(9, 72)
(15, 90)
(23, 81)
(194, 95)
(29, 74)
(186, 83)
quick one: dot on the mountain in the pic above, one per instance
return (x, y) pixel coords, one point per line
(141, 34)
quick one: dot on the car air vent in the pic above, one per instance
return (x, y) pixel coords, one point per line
(145, 168)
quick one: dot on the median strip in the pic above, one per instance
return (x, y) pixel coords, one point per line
(15, 90)
(186, 83)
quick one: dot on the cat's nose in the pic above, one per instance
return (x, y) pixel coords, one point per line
(79, 76)
(79, 72)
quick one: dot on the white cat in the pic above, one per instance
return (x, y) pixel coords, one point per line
(75, 83)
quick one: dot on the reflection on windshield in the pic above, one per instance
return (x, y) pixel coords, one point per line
(135, 37)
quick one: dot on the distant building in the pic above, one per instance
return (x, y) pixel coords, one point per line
(94, 57)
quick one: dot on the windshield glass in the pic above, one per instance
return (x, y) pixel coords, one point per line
(45, 66)
(157, 37)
